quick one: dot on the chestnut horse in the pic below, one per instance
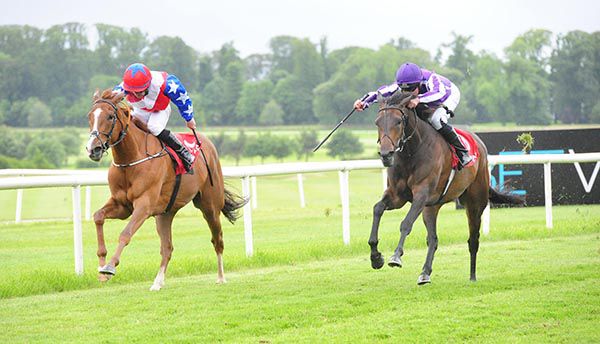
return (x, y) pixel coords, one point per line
(419, 169)
(142, 180)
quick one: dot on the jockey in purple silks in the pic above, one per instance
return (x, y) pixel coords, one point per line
(432, 89)
(150, 94)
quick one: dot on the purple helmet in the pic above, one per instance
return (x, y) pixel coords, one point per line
(407, 74)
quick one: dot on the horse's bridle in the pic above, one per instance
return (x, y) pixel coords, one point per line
(399, 146)
(105, 145)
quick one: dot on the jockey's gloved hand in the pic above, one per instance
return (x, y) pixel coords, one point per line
(191, 124)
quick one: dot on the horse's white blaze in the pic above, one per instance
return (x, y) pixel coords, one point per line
(96, 114)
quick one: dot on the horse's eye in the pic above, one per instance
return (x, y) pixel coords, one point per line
(111, 117)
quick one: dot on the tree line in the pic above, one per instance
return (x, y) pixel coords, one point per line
(48, 76)
(52, 149)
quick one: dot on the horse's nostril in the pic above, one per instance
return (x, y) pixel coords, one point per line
(385, 154)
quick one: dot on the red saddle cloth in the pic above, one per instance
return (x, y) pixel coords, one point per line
(189, 142)
(469, 143)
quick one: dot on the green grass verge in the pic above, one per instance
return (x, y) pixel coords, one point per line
(540, 291)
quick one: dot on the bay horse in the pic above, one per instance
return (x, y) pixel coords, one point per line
(420, 171)
(142, 181)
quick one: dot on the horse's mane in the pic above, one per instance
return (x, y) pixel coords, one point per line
(397, 98)
(109, 95)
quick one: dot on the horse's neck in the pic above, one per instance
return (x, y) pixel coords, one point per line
(422, 138)
(134, 146)
(419, 132)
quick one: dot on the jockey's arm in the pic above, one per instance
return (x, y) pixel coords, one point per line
(436, 88)
(119, 88)
(371, 97)
(178, 95)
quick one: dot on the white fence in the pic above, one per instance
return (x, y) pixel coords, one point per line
(20, 179)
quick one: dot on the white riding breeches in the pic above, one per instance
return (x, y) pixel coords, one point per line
(440, 115)
(156, 121)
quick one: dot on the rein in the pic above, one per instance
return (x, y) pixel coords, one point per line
(125, 127)
(399, 146)
(106, 144)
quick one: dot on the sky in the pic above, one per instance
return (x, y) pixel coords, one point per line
(250, 24)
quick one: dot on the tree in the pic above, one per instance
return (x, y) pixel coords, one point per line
(254, 96)
(295, 100)
(38, 114)
(46, 151)
(306, 141)
(534, 45)
(213, 103)
(485, 95)
(258, 66)
(205, 72)
(529, 92)
(575, 70)
(281, 147)
(172, 55)
(271, 114)
(344, 145)
(259, 146)
(232, 83)
(461, 57)
(236, 147)
(226, 56)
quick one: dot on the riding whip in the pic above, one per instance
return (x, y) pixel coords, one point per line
(203, 156)
(334, 129)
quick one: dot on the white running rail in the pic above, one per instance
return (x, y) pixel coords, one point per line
(22, 179)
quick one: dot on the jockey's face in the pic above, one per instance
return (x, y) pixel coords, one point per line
(140, 94)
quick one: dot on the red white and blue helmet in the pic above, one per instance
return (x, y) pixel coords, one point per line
(137, 78)
(408, 74)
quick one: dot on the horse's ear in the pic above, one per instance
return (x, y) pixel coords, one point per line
(117, 97)
(96, 95)
(380, 98)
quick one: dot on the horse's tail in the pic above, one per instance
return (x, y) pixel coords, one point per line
(233, 202)
(498, 197)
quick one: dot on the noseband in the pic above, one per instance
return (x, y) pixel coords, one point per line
(106, 144)
(399, 146)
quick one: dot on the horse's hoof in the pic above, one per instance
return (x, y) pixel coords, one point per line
(377, 261)
(103, 278)
(155, 287)
(395, 262)
(107, 270)
(221, 280)
(423, 279)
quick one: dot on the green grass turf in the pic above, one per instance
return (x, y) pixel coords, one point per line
(542, 290)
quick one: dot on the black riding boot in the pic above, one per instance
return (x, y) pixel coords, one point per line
(172, 141)
(464, 158)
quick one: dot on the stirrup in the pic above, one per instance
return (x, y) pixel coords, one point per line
(464, 162)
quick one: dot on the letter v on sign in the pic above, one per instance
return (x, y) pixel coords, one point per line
(587, 186)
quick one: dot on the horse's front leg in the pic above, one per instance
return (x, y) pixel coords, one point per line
(416, 208)
(139, 215)
(111, 210)
(384, 204)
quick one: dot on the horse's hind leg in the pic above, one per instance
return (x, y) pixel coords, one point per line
(211, 211)
(474, 204)
(163, 227)
(430, 219)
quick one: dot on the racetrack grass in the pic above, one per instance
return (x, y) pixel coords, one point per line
(38, 257)
(530, 291)
(303, 285)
